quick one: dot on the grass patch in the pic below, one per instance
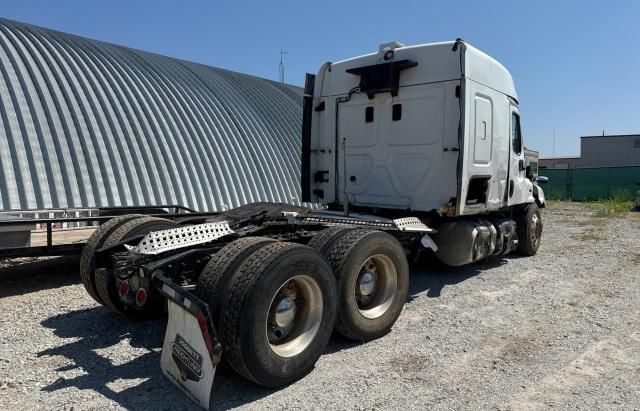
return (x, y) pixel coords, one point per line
(555, 202)
(620, 203)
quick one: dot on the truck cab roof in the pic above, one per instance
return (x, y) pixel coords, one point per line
(437, 63)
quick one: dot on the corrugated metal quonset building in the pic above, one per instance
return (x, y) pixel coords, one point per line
(84, 123)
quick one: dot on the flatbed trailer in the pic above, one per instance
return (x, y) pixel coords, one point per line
(97, 216)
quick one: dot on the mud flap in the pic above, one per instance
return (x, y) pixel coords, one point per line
(190, 351)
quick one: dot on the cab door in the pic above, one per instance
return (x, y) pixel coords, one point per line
(519, 188)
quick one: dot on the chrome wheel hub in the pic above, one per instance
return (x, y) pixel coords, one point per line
(294, 316)
(376, 286)
(285, 312)
(367, 283)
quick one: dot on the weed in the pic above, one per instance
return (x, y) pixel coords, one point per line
(555, 202)
(618, 204)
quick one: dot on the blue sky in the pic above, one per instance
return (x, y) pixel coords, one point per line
(576, 63)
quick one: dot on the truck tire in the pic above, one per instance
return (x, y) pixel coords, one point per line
(215, 276)
(325, 238)
(529, 230)
(372, 279)
(94, 243)
(278, 314)
(106, 281)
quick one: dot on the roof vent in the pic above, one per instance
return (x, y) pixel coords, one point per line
(390, 46)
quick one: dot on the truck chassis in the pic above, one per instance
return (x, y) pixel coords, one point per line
(262, 286)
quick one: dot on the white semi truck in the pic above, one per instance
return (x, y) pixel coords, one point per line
(410, 149)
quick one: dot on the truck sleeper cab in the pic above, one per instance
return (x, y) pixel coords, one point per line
(411, 148)
(432, 127)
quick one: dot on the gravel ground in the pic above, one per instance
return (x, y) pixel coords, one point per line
(556, 330)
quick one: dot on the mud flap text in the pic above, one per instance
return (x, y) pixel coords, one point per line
(185, 357)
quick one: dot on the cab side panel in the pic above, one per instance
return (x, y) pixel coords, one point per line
(486, 157)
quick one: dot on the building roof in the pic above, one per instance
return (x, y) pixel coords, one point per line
(560, 158)
(612, 135)
(85, 123)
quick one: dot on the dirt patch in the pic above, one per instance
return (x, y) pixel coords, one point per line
(592, 222)
(410, 363)
(520, 348)
(8, 384)
(589, 235)
(599, 291)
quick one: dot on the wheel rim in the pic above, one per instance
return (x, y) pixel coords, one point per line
(376, 286)
(294, 316)
(536, 230)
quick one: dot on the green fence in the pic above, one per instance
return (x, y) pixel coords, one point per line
(590, 183)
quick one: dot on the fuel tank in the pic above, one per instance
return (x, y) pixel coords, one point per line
(465, 241)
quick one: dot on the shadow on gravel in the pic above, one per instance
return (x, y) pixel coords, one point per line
(338, 343)
(432, 276)
(138, 383)
(27, 275)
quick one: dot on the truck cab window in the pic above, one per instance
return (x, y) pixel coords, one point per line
(368, 115)
(396, 112)
(516, 136)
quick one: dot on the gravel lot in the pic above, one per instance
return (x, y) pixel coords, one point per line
(560, 329)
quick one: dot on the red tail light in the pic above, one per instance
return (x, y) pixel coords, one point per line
(124, 288)
(141, 296)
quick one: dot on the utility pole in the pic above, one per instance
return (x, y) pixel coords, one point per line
(554, 142)
(282, 66)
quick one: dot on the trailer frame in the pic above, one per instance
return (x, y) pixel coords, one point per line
(168, 211)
